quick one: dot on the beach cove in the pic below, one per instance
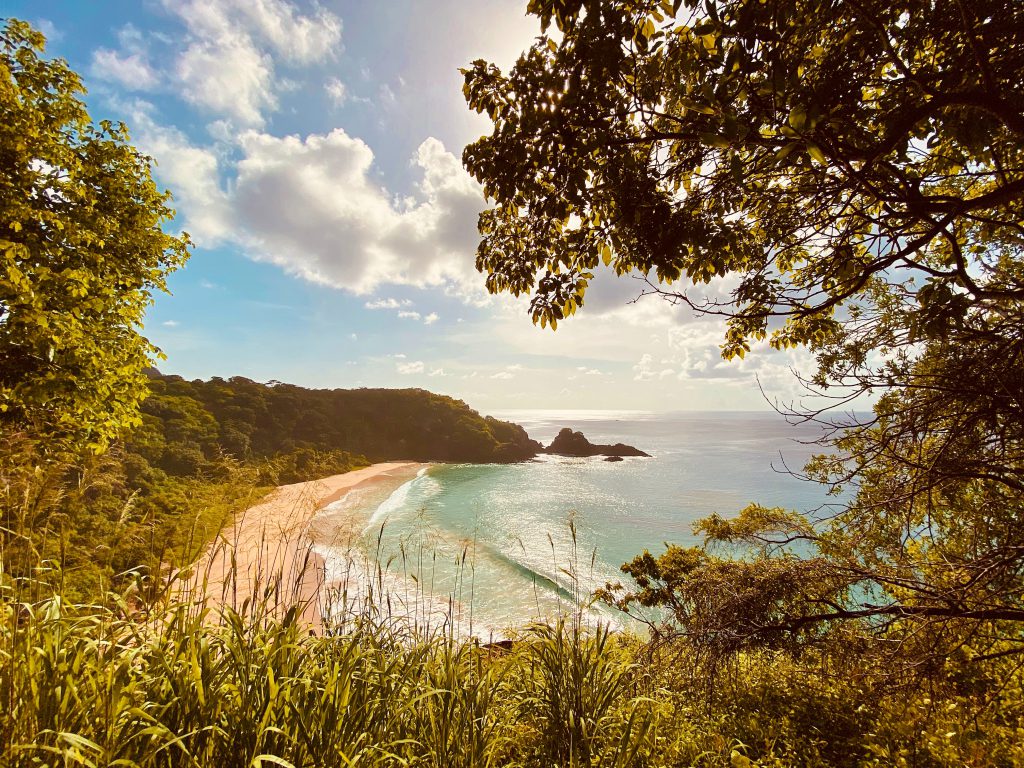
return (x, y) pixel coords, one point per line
(482, 549)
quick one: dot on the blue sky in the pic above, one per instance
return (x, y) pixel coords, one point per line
(313, 154)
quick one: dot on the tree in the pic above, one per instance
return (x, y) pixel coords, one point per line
(857, 170)
(81, 253)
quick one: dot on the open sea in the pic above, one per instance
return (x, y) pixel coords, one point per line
(508, 544)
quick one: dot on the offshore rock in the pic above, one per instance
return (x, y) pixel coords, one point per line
(569, 443)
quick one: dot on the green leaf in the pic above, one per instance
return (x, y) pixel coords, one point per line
(816, 153)
(797, 118)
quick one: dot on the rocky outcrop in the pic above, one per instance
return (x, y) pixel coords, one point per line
(569, 443)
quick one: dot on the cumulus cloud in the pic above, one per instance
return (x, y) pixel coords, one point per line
(407, 369)
(408, 315)
(502, 375)
(229, 76)
(388, 303)
(644, 370)
(313, 206)
(130, 71)
(225, 63)
(129, 67)
(336, 91)
(191, 171)
(432, 318)
(276, 23)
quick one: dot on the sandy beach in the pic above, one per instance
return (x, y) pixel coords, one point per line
(269, 548)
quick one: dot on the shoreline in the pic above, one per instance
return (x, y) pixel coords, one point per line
(265, 559)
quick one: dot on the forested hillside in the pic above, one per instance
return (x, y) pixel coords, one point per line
(185, 422)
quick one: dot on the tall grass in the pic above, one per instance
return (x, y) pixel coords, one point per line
(184, 683)
(165, 678)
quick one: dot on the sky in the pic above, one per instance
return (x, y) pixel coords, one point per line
(312, 150)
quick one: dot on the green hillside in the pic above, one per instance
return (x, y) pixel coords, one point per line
(186, 421)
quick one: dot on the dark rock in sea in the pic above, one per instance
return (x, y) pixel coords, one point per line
(614, 458)
(569, 443)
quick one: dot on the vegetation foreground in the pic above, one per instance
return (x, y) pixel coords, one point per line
(167, 685)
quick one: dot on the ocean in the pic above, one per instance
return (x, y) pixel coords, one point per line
(504, 545)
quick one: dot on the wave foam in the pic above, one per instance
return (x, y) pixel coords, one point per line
(419, 489)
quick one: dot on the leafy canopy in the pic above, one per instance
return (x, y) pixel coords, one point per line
(857, 170)
(804, 147)
(81, 253)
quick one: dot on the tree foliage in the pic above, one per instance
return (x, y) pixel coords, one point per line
(856, 170)
(805, 147)
(81, 253)
(250, 420)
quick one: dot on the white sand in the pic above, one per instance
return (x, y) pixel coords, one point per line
(268, 549)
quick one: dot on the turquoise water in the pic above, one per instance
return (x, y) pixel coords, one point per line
(513, 543)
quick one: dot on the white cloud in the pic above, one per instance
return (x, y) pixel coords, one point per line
(228, 75)
(437, 372)
(313, 206)
(276, 23)
(130, 71)
(303, 39)
(643, 370)
(226, 61)
(405, 314)
(388, 303)
(170, 323)
(386, 97)
(222, 131)
(129, 67)
(49, 30)
(410, 368)
(503, 375)
(191, 172)
(336, 91)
